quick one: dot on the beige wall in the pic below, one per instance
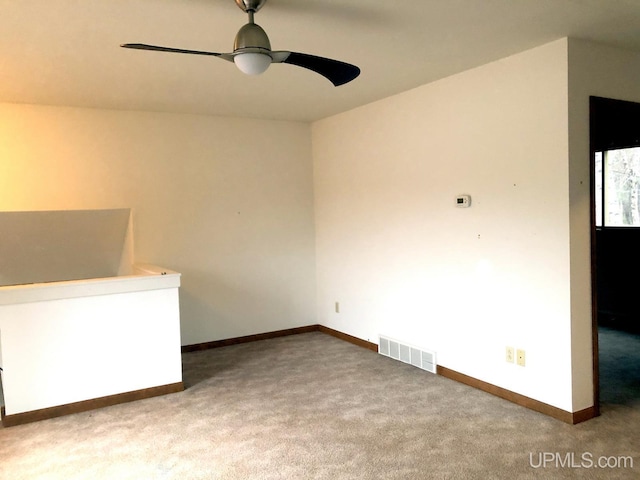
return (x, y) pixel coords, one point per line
(225, 201)
(404, 262)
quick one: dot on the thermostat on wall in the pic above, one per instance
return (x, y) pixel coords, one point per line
(463, 201)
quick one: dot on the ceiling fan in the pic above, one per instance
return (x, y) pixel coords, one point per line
(252, 52)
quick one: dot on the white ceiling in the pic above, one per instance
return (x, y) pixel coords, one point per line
(66, 52)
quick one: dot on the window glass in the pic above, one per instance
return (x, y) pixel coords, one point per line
(598, 188)
(621, 181)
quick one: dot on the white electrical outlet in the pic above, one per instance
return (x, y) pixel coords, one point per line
(510, 357)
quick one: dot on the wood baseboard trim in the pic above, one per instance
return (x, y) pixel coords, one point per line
(248, 338)
(280, 333)
(530, 403)
(584, 415)
(349, 338)
(86, 405)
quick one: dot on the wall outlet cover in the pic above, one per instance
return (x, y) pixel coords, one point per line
(510, 357)
(520, 358)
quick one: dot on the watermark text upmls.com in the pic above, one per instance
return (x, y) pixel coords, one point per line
(575, 460)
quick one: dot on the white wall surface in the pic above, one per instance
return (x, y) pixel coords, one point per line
(403, 261)
(227, 202)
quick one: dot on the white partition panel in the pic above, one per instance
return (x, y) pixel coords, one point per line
(90, 343)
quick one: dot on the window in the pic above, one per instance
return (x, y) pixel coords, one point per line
(617, 187)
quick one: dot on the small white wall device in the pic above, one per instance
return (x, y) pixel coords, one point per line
(463, 201)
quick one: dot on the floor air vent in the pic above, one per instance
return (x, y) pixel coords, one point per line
(418, 357)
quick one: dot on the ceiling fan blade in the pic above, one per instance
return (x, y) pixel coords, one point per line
(337, 72)
(142, 46)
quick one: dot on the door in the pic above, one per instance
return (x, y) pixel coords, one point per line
(615, 230)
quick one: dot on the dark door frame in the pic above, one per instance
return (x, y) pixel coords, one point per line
(611, 126)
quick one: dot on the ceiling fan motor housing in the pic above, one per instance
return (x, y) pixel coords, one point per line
(251, 36)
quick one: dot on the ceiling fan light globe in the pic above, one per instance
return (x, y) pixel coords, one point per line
(252, 63)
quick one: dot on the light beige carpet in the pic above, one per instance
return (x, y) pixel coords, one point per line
(311, 406)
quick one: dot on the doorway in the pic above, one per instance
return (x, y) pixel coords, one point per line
(615, 234)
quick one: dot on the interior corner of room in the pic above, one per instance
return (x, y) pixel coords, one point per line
(351, 222)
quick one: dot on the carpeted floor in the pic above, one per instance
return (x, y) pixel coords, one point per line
(619, 355)
(311, 406)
